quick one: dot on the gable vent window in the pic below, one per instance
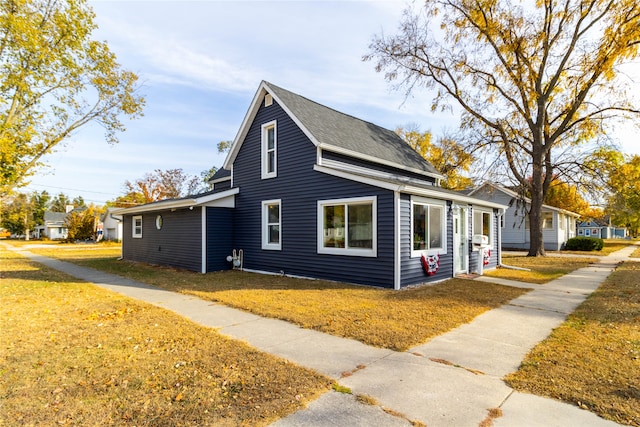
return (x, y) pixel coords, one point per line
(269, 150)
(268, 100)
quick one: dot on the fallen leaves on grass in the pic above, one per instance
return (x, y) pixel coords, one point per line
(397, 320)
(543, 269)
(74, 354)
(593, 359)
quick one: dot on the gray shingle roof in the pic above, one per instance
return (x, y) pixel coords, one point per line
(220, 174)
(342, 131)
(51, 218)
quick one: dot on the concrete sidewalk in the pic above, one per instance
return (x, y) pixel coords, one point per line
(410, 385)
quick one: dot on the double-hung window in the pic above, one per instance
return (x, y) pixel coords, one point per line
(482, 223)
(271, 225)
(547, 220)
(348, 226)
(428, 226)
(136, 227)
(269, 150)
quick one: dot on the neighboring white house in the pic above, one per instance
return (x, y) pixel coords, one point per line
(54, 227)
(111, 226)
(558, 225)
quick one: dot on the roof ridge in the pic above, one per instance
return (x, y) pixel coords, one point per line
(327, 107)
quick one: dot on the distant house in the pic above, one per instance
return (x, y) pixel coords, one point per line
(558, 225)
(111, 225)
(54, 227)
(311, 192)
(601, 229)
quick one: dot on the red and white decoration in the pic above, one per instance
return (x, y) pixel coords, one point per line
(430, 264)
(486, 256)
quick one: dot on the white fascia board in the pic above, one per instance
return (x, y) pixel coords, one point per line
(373, 173)
(216, 196)
(157, 206)
(178, 204)
(374, 159)
(263, 89)
(294, 118)
(434, 192)
(244, 127)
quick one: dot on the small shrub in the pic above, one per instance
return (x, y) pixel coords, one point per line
(585, 244)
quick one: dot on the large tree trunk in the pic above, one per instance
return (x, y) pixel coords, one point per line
(536, 241)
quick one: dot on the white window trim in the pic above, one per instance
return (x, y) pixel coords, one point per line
(415, 200)
(264, 150)
(553, 221)
(373, 252)
(491, 225)
(134, 234)
(265, 225)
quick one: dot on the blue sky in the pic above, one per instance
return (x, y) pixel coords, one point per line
(201, 63)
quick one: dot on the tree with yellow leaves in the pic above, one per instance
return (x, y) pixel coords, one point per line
(536, 80)
(446, 155)
(54, 79)
(624, 203)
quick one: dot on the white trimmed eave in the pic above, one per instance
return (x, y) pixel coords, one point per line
(434, 192)
(178, 204)
(374, 159)
(263, 89)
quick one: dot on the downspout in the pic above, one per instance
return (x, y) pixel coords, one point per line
(500, 264)
(203, 259)
(121, 219)
(397, 262)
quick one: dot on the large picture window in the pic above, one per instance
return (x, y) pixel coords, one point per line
(136, 227)
(427, 226)
(269, 150)
(271, 225)
(347, 226)
(482, 223)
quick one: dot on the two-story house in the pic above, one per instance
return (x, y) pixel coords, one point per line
(308, 191)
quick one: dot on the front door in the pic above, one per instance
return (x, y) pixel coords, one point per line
(460, 240)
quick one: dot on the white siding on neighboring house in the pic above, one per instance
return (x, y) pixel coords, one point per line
(558, 224)
(112, 226)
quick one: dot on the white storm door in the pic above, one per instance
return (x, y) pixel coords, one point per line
(460, 241)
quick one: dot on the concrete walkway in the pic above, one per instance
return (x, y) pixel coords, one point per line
(456, 390)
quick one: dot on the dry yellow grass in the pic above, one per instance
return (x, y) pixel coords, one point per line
(543, 269)
(593, 359)
(75, 354)
(385, 318)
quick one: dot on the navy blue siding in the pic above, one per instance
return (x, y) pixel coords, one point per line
(177, 243)
(300, 187)
(329, 155)
(222, 185)
(411, 268)
(219, 238)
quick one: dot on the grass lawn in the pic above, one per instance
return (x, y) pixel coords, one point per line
(543, 269)
(593, 359)
(391, 319)
(75, 354)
